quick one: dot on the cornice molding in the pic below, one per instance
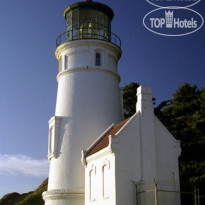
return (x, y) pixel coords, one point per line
(87, 69)
(87, 42)
(99, 154)
(62, 194)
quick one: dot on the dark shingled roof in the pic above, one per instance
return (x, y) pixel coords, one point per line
(105, 139)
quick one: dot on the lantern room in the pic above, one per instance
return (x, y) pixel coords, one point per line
(88, 20)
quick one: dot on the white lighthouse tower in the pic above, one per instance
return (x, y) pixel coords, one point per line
(88, 97)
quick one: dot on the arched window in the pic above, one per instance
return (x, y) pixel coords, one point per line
(92, 183)
(105, 179)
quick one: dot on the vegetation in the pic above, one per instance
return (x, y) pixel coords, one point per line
(31, 198)
(184, 116)
(129, 99)
(12, 198)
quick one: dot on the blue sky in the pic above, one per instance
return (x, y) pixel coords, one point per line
(28, 30)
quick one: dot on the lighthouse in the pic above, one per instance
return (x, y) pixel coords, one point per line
(88, 96)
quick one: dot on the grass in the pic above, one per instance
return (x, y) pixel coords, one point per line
(30, 198)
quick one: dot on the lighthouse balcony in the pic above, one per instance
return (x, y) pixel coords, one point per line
(88, 33)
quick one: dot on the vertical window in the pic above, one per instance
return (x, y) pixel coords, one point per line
(66, 62)
(106, 179)
(98, 59)
(92, 185)
(63, 63)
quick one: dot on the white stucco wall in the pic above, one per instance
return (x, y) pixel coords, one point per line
(147, 152)
(128, 161)
(168, 152)
(88, 101)
(81, 54)
(104, 190)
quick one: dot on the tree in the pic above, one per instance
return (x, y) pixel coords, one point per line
(184, 116)
(129, 99)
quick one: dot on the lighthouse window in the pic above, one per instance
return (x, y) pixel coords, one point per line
(66, 62)
(98, 59)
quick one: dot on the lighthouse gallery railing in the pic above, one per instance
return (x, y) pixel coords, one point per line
(88, 33)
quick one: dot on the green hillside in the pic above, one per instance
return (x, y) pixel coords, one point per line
(30, 198)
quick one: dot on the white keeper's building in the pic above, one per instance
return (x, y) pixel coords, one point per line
(97, 157)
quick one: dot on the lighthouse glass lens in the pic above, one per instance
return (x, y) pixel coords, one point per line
(86, 23)
(75, 18)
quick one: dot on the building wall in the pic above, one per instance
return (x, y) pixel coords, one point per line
(130, 166)
(88, 101)
(168, 152)
(146, 153)
(128, 162)
(100, 185)
(82, 54)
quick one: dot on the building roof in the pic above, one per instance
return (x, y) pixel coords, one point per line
(91, 5)
(104, 141)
